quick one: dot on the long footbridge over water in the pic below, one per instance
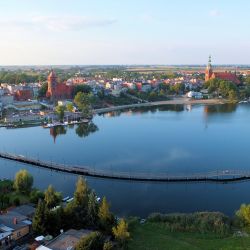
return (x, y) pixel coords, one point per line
(214, 176)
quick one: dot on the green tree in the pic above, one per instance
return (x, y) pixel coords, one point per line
(36, 195)
(106, 218)
(42, 91)
(244, 214)
(81, 193)
(51, 197)
(232, 95)
(93, 208)
(121, 232)
(70, 107)
(77, 211)
(23, 181)
(41, 218)
(60, 110)
(83, 101)
(94, 241)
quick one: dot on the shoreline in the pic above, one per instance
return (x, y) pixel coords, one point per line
(176, 101)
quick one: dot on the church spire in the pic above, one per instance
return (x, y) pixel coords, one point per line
(209, 61)
(209, 70)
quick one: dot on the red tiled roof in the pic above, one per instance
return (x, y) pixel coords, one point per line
(226, 76)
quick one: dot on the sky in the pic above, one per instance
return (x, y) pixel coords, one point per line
(90, 32)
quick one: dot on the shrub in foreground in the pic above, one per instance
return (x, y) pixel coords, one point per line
(202, 222)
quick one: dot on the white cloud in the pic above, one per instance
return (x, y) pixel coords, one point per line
(57, 23)
(214, 12)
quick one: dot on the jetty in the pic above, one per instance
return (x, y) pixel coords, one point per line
(222, 176)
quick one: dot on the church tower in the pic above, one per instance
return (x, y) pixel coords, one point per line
(52, 83)
(209, 70)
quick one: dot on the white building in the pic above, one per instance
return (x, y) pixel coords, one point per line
(195, 95)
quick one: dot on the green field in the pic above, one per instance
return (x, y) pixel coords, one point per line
(152, 236)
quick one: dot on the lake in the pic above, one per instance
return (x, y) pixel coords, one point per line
(171, 139)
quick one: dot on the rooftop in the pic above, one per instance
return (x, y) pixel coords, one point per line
(67, 240)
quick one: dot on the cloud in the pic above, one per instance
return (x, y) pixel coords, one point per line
(214, 13)
(58, 23)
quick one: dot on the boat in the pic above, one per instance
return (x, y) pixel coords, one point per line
(65, 199)
(85, 121)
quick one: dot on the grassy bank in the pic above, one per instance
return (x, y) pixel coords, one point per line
(154, 236)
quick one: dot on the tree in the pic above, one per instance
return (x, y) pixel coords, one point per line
(23, 181)
(60, 110)
(81, 193)
(82, 88)
(42, 91)
(232, 95)
(244, 214)
(93, 207)
(106, 218)
(83, 101)
(36, 195)
(121, 232)
(51, 197)
(94, 241)
(40, 218)
(70, 107)
(77, 211)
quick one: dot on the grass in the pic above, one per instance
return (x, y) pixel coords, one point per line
(153, 236)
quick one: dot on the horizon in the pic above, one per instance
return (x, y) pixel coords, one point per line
(124, 33)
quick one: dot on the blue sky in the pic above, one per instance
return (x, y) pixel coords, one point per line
(124, 32)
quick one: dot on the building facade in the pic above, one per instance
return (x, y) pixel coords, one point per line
(57, 90)
(227, 76)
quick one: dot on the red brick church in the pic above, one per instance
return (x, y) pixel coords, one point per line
(57, 90)
(228, 76)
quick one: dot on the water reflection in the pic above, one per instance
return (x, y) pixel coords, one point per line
(143, 110)
(215, 109)
(56, 131)
(82, 130)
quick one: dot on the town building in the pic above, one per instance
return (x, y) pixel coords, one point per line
(65, 241)
(57, 90)
(15, 224)
(227, 76)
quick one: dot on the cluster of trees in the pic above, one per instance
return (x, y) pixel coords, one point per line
(223, 88)
(10, 191)
(83, 101)
(83, 212)
(19, 77)
(60, 110)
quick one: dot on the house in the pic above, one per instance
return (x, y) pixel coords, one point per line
(23, 95)
(25, 210)
(14, 226)
(65, 241)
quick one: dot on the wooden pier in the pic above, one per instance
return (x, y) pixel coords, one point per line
(222, 176)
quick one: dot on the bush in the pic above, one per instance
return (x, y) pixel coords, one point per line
(202, 222)
(108, 246)
(36, 195)
(16, 201)
(94, 241)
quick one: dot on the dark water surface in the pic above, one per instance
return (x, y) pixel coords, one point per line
(169, 139)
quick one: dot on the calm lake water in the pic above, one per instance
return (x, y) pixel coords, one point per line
(168, 139)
